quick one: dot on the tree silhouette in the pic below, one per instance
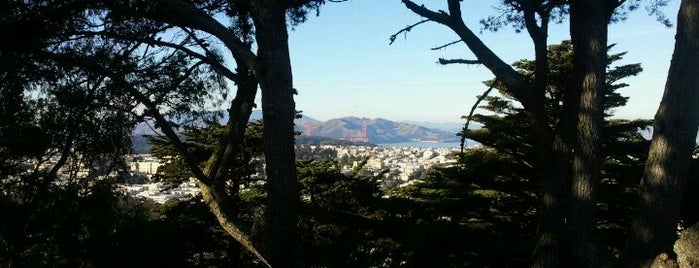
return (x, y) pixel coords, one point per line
(674, 139)
(621, 142)
(135, 40)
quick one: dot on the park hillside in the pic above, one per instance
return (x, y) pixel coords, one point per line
(554, 181)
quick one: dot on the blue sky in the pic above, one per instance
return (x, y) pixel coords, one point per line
(343, 64)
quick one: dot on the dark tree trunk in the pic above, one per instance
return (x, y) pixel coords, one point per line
(279, 237)
(654, 230)
(551, 158)
(553, 236)
(588, 28)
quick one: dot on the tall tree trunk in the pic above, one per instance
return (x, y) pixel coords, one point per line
(588, 28)
(279, 235)
(553, 234)
(654, 230)
(550, 157)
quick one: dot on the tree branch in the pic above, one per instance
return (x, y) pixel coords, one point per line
(515, 82)
(73, 131)
(183, 14)
(535, 31)
(444, 61)
(405, 30)
(225, 71)
(234, 131)
(213, 196)
(446, 45)
(439, 17)
(470, 114)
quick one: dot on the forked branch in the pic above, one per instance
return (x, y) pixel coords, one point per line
(405, 30)
(516, 84)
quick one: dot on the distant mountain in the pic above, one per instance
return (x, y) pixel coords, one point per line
(379, 131)
(147, 128)
(316, 140)
(445, 126)
(257, 115)
(347, 128)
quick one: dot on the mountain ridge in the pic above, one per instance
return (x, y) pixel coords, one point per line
(378, 130)
(348, 128)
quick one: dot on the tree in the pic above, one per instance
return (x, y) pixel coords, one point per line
(343, 218)
(588, 30)
(272, 68)
(554, 146)
(488, 208)
(341, 213)
(552, 161)
(569, 153)
(674, 132)
(620, 141)
(139, 27)
(201, 142)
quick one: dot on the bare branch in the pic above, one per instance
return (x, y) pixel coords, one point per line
(517, 85)
(444, 61)
(446, 45)
(405, 30)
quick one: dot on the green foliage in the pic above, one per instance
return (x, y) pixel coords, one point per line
(342, 218)
(507, 129)
(72, 225)
(199, 240)
(66, 225)
(128, 72)
(325, 186)
(312, 152)
(507, 133)
(511, 12)
(77, 120)
(653, 7)
(61, 89)
(200, 143)
(486, 209)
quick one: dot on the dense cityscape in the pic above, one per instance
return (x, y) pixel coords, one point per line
(404, 165)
